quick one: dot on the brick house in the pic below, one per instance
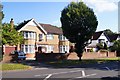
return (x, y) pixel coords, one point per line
(47, 36)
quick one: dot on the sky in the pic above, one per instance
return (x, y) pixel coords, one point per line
(49, 11)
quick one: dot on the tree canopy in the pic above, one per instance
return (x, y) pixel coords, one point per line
(1, 17)
(109, 32)
(79, 23)
(10, 35)
(1, 14)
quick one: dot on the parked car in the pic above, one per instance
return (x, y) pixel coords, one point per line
(20, 55)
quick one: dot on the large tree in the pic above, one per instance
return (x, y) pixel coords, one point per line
(109, 32)
(1, 17)
(79, 23)
(10, 36)
(1, 14)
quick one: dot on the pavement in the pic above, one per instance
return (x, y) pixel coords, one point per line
(40, 71)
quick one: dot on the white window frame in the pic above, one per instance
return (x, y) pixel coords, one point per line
(50, 48)
(63, 48)
(29, 35)
(28, 48)
(62, 38)
(50, 36)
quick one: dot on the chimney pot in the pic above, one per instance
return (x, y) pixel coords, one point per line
(12, 23)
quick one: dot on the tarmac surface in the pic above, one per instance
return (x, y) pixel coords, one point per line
(40, 71)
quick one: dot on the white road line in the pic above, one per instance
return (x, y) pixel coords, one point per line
(107, 68)
(87, 75)
(59, 73)
(83, 76)
(83, 73)
(48, 76)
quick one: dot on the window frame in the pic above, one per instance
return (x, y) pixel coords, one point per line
(50, 36)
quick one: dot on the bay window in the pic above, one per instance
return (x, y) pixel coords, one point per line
(29, 35)
(63, 48)
(28, 48)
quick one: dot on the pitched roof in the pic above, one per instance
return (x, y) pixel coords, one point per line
(22, 24)
(96, 35)
(51, 29)
(47, 27)
(113, 37)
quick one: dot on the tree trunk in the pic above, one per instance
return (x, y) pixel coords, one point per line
(79, 50)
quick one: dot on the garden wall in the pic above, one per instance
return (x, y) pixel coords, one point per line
(93, 55)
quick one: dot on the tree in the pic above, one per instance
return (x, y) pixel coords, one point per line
(1, 17)
(101, 45)
(10, 35)
(116, 47)
(109, 32)
(79, 23)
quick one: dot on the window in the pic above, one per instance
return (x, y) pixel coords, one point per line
(40, 37)
(50, 36)
(29, 35)
(101, 40)
(50, 48)
(63, 49)
(28, 48)
(62, 38)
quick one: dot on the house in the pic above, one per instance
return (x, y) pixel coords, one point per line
(46, 36)
(113, 38)
(97, 38)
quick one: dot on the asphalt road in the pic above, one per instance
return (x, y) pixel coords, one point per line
(100, 71)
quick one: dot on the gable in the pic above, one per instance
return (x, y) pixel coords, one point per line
(103, 36)
(31, 25)
(96, 35)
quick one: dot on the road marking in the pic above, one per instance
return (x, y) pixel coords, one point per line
(83, 76)
(48, 76)
(87, 75)
(58, 73)
(83, 73)
(107, 68)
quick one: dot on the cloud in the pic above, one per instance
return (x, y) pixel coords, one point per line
(102, 5)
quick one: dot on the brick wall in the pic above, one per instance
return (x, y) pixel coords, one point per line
(8, 49)
(92, 55)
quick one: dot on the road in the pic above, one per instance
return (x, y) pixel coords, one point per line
(99, 71)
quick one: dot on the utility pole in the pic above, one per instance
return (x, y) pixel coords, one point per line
(119, 17)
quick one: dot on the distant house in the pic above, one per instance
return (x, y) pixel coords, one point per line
(113, 38)
(46, 36)
(97, 38)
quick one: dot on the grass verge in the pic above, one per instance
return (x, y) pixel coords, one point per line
(13, 66)
(64, 63)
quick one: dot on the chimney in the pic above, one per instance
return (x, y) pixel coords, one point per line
(12, 23)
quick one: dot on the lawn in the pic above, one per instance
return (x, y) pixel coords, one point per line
(64, 63)
(13, 66)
